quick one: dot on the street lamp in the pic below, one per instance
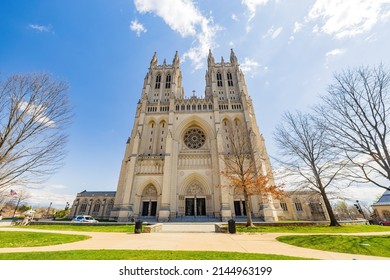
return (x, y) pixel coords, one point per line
(359, 208)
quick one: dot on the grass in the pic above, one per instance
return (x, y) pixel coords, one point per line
(288, 229)
(316, 229)
(32, 239)
(362, 245)
(141, 255)
(85, 228)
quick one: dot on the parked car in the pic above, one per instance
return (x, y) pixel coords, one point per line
(84, 219)
(385, 222)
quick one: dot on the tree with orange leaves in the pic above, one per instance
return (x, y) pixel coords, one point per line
(244, 170)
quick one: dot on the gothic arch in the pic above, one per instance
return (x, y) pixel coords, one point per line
(151, 121)
(152, 182)
(195, 197)
(195, 178)
(148, 201)
(193, 121)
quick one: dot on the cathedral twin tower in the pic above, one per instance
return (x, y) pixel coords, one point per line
(172, 165)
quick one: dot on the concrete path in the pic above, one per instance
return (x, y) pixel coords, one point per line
(188, 227)
(264, 243)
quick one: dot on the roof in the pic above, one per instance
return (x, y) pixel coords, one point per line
(384, 200)
(90, 193)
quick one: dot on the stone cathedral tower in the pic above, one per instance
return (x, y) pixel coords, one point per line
(172, 164)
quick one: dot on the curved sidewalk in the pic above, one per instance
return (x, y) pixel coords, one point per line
(262, 243)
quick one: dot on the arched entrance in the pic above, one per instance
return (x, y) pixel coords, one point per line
(149, 201)
(195, 200)
(239, 202)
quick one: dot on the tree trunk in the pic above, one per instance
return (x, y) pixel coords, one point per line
(333, 221)
(249, 222)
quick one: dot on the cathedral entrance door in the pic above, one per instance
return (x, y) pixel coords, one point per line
(195, 206)
(239, 208)
(149, 208)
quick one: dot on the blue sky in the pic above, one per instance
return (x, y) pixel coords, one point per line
(288, 50)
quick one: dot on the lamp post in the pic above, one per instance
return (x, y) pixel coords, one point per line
(359, 207)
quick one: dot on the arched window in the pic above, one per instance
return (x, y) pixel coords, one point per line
(298, 205)
(230, 79)
(158, 81)
(83, 207)
(96, 207)
(109, 207)
(219, 79)
(168, 81)
(283, 205)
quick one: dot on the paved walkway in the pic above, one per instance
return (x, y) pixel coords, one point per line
(264, 243)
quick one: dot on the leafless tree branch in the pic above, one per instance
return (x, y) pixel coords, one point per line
(34, 113)
(355, 113)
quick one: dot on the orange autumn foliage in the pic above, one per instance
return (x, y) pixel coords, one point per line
(254, 184)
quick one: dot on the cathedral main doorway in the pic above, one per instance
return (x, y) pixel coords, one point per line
(195, 206)
(193, 201)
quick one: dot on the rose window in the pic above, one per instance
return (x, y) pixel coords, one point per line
(194, 138)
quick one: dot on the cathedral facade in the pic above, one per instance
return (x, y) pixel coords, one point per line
(173, 159)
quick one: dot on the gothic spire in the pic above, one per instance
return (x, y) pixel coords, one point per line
(176, 60)
(233, 58)
(153, 62)
(210, 59)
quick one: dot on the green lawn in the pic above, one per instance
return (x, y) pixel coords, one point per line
(90, 228)
(362, 245)
(316, 229)
(140, 255)
(9, 239)
(289, 229)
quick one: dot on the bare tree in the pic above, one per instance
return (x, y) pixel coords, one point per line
(34, 112)
(244, 168)
(307, 156)
(356, 114)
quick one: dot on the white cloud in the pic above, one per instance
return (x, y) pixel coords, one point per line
(41, 28)
(37, 113)
(347, 18)
(137, 27)
(297, 27)
(235, 18)
(363, 193)
(252, 6)
(43, 197)
(273, 33)
(335, 52)
(249, 66)
(183, 17)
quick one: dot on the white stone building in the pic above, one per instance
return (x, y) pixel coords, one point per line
(173, 160)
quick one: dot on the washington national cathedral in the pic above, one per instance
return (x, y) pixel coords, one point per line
(172, 164)
(171, 170)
